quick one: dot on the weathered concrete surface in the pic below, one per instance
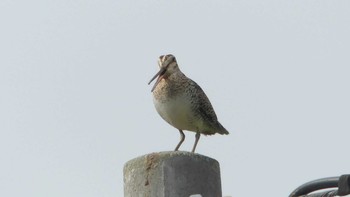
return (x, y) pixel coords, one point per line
(172, 174)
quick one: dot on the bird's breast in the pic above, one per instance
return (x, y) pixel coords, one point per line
(177, 112)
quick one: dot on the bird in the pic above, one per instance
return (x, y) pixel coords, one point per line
(182, 103)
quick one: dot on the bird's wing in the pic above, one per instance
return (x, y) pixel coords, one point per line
(202, 104)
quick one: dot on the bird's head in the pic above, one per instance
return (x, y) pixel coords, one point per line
(168, 66)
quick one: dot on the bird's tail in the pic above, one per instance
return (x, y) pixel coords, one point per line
(221, 129)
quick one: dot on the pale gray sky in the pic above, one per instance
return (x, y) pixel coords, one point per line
(75, 104)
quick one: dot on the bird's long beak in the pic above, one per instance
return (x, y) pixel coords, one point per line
(160, 75)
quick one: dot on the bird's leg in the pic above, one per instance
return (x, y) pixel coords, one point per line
(181, 140)
(198, 135)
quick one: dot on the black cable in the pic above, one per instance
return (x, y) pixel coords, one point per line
(331, 193)
(315, 185)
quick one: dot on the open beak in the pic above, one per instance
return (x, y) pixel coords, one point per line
(160, 75)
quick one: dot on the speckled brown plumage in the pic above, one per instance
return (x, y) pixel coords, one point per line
(182, 102)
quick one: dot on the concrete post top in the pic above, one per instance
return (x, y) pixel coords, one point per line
(172, 174)
(157, 157)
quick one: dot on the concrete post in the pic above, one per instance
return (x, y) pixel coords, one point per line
(172, 174)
